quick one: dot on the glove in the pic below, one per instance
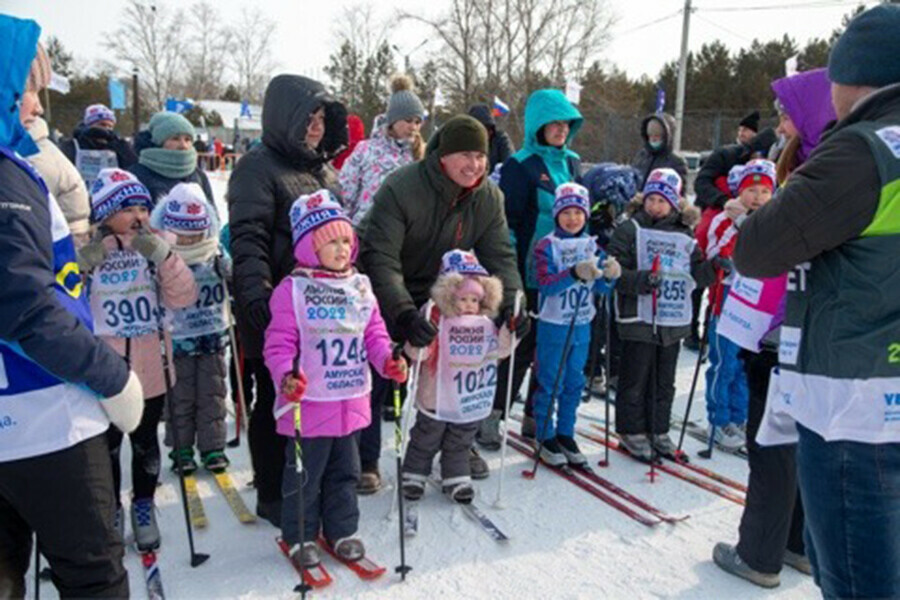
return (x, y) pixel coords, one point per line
(587, 271)
(152, 247)
(125, 408)
(415, 328)
(396, 369)
(293, 387)
(91, 255)
(258, 314)
(611, 268)
(520, 323)
(723, 264)
(648, 281)
(734, 209)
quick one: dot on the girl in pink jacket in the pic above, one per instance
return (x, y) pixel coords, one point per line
(325, 330)
(132, 277)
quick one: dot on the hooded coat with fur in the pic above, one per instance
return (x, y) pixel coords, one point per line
(443, 304)
(647, 159)
(623, 246)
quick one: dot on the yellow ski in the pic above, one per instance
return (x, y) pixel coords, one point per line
(226, 484)
(195, 505)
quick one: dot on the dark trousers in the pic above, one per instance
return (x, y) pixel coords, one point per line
(66, 497)
(266, 446)
(430, 436)
(370, 437)
(524, 357)
(647, 376)
(331, 471)
(773, 516)
(144, 452)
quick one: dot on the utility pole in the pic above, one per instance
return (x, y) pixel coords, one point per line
(682, 76)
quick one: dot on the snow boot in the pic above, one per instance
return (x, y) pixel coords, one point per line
(488, 436)
(799, 562)
(270, 511)
(729, 438)
(413, 487)
(637, 445)
(529, 428)
(349, 549)
(307, 557)
(664, 445)
(552, 453)
(726, 556)
(143, 524)
(478, 469)
(461, 493)
(571, 451)
(369, 482)
(188, 464)
(215, 461)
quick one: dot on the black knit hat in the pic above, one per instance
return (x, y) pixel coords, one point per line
(462, 133)
(751, 121)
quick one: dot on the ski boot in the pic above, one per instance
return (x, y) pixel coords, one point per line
(413, 487)
(188, 464)
(488, 436)
(729, 438)
(477, 467)
(637, 445)
(369, 482)
(215, 461)
(307, 557)
(726, 556)
(143, 524)
(461, 493)
(349, 549)
(799, 562)
(571, 451)
(553, 454)
(664, 445)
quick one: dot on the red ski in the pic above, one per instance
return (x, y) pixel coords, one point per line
(696, 469)
(364, 567)
(673, 470)
(316, 577)
(572, 476)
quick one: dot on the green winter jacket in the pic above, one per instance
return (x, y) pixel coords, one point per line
(419, 214)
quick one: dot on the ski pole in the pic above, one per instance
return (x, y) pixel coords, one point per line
(707, 454)
(37, 569)
(680, 454)
(567, 345)
(197, 558)
(517, 306)
(403, 568)
(607, 319)
(654, 272)
(303, 587)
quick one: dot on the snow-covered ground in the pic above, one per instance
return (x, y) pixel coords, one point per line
(564, 542)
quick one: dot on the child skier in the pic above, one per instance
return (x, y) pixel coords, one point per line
(200, 331)
(326, 328)
(458, 376)
(660, 267)
(132, 274)
(726, 379)
(567, 263)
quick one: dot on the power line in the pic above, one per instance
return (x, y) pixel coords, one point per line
(648, 24)
(725, 29)
(814, 4)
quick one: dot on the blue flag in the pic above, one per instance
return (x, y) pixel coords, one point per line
(178, 106)
(660, 99)
(116, 95)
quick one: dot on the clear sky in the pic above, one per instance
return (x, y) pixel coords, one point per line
(305, 27)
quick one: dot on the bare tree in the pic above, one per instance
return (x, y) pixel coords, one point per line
(149, 38)
(207, 52)
(252, 54)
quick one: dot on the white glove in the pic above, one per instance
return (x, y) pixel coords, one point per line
(125, 408)
(587, 270)
(153, 248)
(734, 209)
(611, 268)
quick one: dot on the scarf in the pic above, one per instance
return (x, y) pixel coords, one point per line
(198, 253)
(174, 164)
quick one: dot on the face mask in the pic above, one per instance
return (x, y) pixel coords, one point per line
(656, 145)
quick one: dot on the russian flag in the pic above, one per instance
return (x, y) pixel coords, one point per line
(500, 107)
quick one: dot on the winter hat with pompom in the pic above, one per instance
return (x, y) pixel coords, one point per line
(114, 190)
(184, 210)
(96, 113)
(666, 183)
(757, 172)
(316, 219)
(572, 195)
(403, 104)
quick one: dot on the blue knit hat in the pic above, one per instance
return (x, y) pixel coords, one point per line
(115, 189)
(613, 184)
(666, 183)
(164, 125)
(867, 52)
(572, 195)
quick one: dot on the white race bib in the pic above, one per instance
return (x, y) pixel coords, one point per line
(124, 297)
(560, 307)
(207, 315)
(468, 350)
(673, 299)
(90, 162)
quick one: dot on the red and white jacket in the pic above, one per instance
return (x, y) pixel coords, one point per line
(717, 236)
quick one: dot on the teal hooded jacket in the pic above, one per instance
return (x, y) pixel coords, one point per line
(530, 177)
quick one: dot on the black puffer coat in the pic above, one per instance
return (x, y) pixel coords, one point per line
(265, 183)
(95, 138)
(648, 159)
